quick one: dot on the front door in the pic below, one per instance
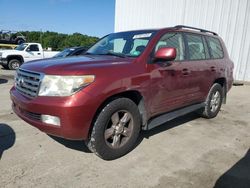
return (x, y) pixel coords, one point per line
(33, 53)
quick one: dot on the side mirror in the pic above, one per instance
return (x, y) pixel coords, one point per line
(28, 49)
(167, 54)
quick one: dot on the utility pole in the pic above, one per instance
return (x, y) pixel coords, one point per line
(41, 40)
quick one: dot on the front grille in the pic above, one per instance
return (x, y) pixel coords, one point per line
(27, 82)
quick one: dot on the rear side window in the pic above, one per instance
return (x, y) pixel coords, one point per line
(173, 40)
(215, 48)
(34, 48)
(195, 47)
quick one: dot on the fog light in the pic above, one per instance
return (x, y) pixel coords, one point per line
(51, 120)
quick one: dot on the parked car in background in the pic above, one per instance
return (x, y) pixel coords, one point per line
(12, 59)
(10, 37)
(73, 51)
(127, 82)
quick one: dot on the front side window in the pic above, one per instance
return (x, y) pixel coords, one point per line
(173, 40)
(215, 48)
(195, 47)
(130, 44)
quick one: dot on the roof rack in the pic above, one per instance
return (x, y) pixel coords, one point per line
(194, 28)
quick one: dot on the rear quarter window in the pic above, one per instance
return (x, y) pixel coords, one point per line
(215, 48)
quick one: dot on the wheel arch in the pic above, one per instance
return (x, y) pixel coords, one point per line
(223, 82)
(18, 57)
(133, 95)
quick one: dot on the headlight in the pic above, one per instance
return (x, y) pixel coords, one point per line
(63, 85)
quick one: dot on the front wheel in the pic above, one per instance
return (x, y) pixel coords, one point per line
(5, 66)
(213, 102)
(14, 64)
(115, 129)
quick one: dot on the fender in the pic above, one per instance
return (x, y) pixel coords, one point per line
(18, 57)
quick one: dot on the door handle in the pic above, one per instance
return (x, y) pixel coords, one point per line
(185, 72)
(212, 69)
(38, 53)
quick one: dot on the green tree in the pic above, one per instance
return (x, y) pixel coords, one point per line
(59, 41)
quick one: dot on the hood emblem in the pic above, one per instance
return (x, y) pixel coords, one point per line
(20, 81)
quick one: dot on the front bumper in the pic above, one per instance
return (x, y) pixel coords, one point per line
(75, 112)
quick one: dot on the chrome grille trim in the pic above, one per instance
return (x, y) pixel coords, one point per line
(28, 82)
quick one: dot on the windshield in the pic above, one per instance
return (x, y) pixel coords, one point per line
(65, 52)
(21, 47)
(122, 44)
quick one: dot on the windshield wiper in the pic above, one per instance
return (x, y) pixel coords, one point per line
(114, 54)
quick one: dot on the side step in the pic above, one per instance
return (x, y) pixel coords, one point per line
(172, 115)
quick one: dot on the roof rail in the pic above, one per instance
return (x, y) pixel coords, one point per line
(194, 28)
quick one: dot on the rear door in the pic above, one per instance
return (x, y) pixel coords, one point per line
(197, 55)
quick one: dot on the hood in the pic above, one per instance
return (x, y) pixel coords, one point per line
(74, 65)
(12, 52)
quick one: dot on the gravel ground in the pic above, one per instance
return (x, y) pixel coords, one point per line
(186, 152)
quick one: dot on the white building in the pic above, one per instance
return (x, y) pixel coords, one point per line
(229, 18)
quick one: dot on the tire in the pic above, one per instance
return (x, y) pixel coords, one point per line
(20, 41)
(116, 129)
(5, 67)
(14, 64)
(213, 102)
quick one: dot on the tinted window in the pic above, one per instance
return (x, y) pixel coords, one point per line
(215, 48)
(195, 47)
(34, 48)
(173, 40)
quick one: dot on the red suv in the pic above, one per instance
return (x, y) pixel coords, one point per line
(125, 83)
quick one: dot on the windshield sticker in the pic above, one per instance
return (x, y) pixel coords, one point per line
(144, 35)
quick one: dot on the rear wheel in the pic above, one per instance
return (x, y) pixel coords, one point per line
(115, 130)
(14, 64)
(20, 41)
(213, 102)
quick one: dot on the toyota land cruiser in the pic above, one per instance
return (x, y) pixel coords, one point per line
(126, 82)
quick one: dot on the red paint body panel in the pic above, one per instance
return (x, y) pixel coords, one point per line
(163, 88)
(168, 54)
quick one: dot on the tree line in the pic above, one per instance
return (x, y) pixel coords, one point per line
(59, 41)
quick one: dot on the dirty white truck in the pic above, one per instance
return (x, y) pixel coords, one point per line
(12, 59)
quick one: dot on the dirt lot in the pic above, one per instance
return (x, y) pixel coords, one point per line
(187, 152)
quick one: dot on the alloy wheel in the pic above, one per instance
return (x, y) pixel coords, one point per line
(215, 101)
(119, 129)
